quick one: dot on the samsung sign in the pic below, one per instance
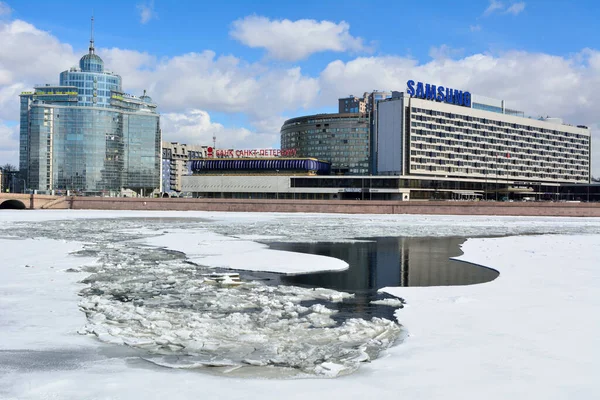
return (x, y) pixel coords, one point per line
(438, 93)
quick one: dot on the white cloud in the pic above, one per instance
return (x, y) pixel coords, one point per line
(9, 144)
(499, 6)
(295, 40)
(516, 8)
(146, 11)
(474, 28)
(195, 126)
(494, 6)
(202, 81)
(534, 82)
(28, 56)
(218, 83)
(539, 84)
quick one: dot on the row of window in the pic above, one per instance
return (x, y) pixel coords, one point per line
(509, 158)
(326, 130)
(323, 120)
(443, 129)
(502, 139)
(417, 140)
(515, 156)
(490, 121)
(87, 77)
(469, 171)
(500, 166)
(502, 152)
(499, 126)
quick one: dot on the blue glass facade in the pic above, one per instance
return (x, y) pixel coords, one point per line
(166, 175)
(341, 139)
(87, 135)
(487, 107)
(496, 109)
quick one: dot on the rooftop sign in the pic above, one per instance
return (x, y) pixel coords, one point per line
(440, 94)
(231, 153)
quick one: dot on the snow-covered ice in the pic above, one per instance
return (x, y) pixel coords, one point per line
(144, 292)
(532, 333)
(215, 250)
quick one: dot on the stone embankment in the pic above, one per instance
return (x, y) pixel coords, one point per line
(344, 206)
(559, 209)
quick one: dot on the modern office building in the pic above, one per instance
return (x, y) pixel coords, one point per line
(442, 143)
(353, 104)
(175, 160)
(431, 143)
(341, 139)
(362, 105)
(347, 157)
(432, 138)
(87, 135)
(373, 99)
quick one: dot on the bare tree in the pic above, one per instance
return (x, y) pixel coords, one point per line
(8, 176)
(8, 168)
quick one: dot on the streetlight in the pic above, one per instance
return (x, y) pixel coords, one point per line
(15, 180)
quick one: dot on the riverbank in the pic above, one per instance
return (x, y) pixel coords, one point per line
(532, 209)
(342, 206)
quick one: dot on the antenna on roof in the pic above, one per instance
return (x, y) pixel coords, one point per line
(92, 35)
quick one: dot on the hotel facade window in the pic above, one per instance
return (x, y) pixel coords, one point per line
(452, 141)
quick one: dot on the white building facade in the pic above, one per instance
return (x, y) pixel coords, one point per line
(422, 137)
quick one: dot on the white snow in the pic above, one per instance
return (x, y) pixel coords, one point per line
(388, 302)
(533, 333)
(37, 294)
(214, 250)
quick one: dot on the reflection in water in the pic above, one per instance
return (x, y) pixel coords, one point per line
(390, 261)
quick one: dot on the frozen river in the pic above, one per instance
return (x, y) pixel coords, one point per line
(91, 296)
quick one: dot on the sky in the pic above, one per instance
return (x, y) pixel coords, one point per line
(239, 69)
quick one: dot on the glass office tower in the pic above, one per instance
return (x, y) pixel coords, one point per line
(86, 135)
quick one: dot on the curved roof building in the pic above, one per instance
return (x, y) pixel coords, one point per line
(341, 139)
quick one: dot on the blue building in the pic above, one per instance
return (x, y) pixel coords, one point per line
(87, 135)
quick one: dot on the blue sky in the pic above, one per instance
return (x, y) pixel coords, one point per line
(554, 27)
(241, 68)
(388, 28)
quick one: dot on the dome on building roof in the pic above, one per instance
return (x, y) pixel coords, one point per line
(91, 63)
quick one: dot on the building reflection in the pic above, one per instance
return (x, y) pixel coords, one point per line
(396, 261)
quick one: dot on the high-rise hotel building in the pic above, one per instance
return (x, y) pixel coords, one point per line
(87, 135)
(435, 133)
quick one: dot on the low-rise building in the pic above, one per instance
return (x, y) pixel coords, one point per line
(175, 158)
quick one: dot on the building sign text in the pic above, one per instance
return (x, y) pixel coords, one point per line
(438, 93)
